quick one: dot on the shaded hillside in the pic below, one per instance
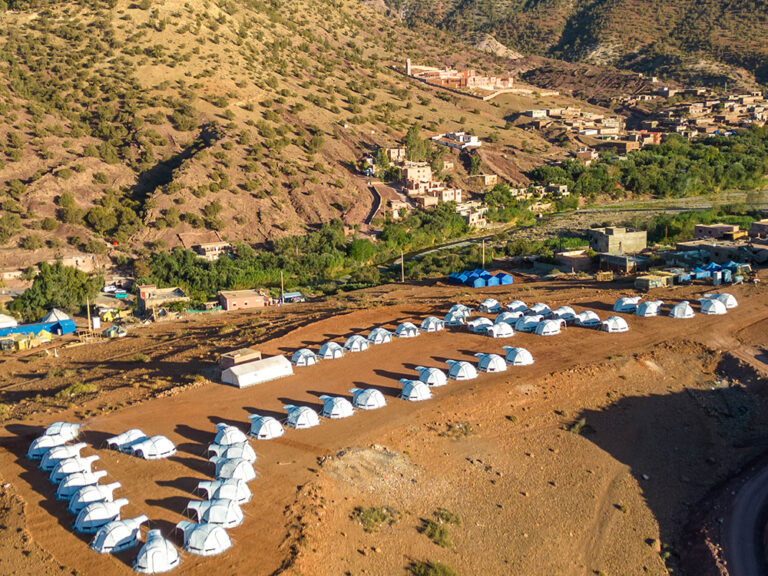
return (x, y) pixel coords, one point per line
(686, 39)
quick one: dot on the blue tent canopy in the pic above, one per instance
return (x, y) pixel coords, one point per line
(492, 281)
(505, 279)
(712, 267)
(478, 283)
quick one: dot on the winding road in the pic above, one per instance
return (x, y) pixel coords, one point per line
(744, 528)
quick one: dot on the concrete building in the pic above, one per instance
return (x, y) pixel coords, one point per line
(212, 251)
(242, 299)
(485, 180)
(618, 240)
(417, 172)
(396, 155)
(151, 297)
(576, 260)
(717, 231)
(457, 140)
(759, 229)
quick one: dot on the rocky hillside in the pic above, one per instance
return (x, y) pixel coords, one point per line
(709, 41)
(124, 124)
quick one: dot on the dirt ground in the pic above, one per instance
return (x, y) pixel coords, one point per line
(590, 461)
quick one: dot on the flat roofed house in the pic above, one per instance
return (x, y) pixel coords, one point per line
(150, 296)
(242, 299)
(240, 356)
(212, 251)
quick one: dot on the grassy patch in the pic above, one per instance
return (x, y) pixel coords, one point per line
(430, 569)
(141, 358)
(60, 373)
(457, 430)
(580, 426)
(436, 532)
(445, 516)
(77, 389)
(371, 519)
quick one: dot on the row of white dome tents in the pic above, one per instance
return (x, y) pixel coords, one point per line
(357, 343)
(135, 442)
(710, 304)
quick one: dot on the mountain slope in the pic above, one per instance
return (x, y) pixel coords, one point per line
(682, 38)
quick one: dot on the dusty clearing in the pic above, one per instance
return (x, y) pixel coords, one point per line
(669, 410)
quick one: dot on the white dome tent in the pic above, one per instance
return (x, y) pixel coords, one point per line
(118, 535)
(74, 482)
(123, 442)
(367, 399)
(227, 434)
(304, 357)
(490, 306)
(565, 313)
(453, 319)
(356, 343)
(549, 327)
(237, 468)
(627, 304)
(681, 310)
(539, 309)
(406, 330)
(98, 514)
(432, 376)
(528, 323)
(204, 539)
(331, 351)
(90, 494)
(518, 356)
(336, 407)
(649, 308)
(414, 390)
(157, 555)
(380, 336)
(231, 488)
(517, 306)
(490, 363)
(461, 370)
(154, 448)
(222, 512)
(712, 307)
(479, 325)
(461, 309)
(57, 434)
(242, 450)
(265, 427)
(58, 453)
(72, 465)
(432, 324)
(43, 444)
(615, 324)
(728, 299)
(508, 317)
(500, 330)
(301, 417)
(587, 319)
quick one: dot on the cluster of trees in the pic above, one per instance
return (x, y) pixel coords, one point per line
(322, 259)
(56, 286)
(677, 167)
(680, 226)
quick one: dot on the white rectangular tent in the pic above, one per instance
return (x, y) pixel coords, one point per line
(257, 372)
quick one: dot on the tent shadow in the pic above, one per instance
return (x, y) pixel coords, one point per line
(386, 390)
(280, 416)
(185, 483)
(96, 438)
(318, 407)
(195, 464)
(393, 375)
(220, 420)
(176, 504)
(441, 359)
(194, 434)
(193, 448)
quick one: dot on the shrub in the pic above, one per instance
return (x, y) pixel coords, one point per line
(143, 358)
(32, 242)
(49, 224)
(435, 532)
(430, 569)
(371, 519)
(77, 389)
